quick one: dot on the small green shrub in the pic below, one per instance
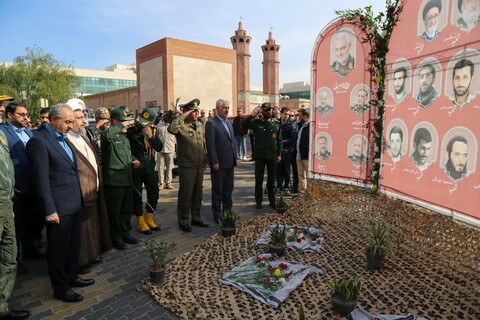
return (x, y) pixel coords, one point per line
(346, 289)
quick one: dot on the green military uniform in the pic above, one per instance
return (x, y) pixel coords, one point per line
(143, 149)
(8, 244)
(191, 157)
(100, 113)
(117, 176)
(267, 149)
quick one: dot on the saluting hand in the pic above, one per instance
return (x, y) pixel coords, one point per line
(147, 132)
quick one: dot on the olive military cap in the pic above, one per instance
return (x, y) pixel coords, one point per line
(148, 115)
(120, 114)
(266, 106)
(127, 110)
(192, 105)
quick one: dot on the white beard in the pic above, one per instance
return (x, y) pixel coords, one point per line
(471, 17)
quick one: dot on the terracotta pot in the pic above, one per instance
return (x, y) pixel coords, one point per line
(227, 232)
(374, 262)
(157, 275)
(279, 251)
(341, 307)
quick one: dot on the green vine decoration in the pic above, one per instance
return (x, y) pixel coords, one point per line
(376, 32)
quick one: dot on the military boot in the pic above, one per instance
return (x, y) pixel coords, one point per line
(151, 224)
(142, 225)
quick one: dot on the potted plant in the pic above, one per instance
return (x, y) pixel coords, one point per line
(278, 244)
(158, 251)
(380, 243)
(280, 204)
(228, 223)
(345, 293)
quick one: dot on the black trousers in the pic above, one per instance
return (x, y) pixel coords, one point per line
(222, 189)
(29, 222)
(283, 171)
(151, 187)
(259, 172)
(63, 250)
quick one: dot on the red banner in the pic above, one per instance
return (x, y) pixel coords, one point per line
(432, 118)
(340, 108)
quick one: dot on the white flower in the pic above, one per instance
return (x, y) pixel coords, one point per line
(375, 149)
(377, 160)
(282, 280)
(374, 174)
(291, 231)
(380, 103)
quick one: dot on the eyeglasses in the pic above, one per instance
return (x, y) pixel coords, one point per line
(22, 114)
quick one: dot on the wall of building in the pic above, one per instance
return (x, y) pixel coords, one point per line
(113, 99)
(187, 70)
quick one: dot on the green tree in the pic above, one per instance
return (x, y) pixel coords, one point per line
(37, 75)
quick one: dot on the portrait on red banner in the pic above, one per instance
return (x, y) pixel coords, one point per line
(360, 99)
(397, 135)
(400, 84)
(323, 146)
(357, 150)
(423, 148)
(432, 19)
(324, 102)
(465, 14)
(459, 153)
(461, 85)
(342, 52)
(427, 80)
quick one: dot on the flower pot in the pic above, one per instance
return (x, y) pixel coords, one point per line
(282, 210)
(341, 307)
(227, 232)
(157, 275)
(374, 262)
(278, 250)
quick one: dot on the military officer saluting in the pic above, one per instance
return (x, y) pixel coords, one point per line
(191, 157)
(144, 142)
(267, 150)
(117, 162)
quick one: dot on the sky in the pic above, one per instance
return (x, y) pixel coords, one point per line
(94, 34)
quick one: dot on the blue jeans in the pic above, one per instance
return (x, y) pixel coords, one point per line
(241, 146)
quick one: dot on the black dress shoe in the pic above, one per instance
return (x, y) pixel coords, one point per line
(119, 244)
(186, 228)
(80, 283)
(67, 296)
(129, 239)
(199, 224)
(97, 260)
(15, 315)
(258, 205)
(33, 255)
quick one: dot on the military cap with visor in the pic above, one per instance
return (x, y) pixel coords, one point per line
(266, 106)
(192, 105)
(147, 116)
(120, 114)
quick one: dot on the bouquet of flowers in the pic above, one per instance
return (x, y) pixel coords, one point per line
(268, 279)
(306, 239)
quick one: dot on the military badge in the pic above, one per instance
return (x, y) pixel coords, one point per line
(146, 115)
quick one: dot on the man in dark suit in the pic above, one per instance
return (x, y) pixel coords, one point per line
(56, 182)
(302, 146)
(222, 157)
(27, 222)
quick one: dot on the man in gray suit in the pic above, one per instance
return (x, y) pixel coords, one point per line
(222, 157)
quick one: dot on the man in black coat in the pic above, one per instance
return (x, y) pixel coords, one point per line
(57, 186)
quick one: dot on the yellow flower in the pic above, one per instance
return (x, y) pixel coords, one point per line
(378, 79)
(374, 187)
(278, 272)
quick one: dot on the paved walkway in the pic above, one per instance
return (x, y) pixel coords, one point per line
(117, 293)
